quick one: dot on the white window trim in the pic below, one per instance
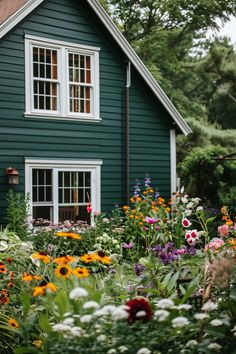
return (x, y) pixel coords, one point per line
(93, 166)
(63, 105)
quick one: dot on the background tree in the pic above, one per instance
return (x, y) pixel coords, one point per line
(197, 73)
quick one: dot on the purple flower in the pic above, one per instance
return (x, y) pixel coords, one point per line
(147, 181)
(137, 188)
(168, 253)
(139, 268)
(150, 220)
(127, 245)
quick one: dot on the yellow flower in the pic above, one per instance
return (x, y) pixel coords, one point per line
(232, 242)
(88, 258)
(13, 323)
(101, 257)
(81, 272)
(64, 259)
(41, 290)
(68, 235)
(229, 222)
(37, 343)
(42, 256)
(63, 271)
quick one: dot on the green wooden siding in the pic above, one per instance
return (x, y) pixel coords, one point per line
(20, 137)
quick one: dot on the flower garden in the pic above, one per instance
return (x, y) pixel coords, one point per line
(157, 276)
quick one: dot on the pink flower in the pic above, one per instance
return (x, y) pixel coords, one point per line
(214, 245)
(128, 245)
(89, 208)
(150, 220)
(223, 230)
(186, 222)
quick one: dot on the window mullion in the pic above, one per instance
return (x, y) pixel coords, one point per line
(55, 191)
(64, 80)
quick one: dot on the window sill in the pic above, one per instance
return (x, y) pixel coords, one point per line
(62, 118)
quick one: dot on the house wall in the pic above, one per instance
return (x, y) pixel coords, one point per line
(20, 137)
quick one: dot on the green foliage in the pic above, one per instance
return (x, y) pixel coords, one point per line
(17, 212)
(207, 177)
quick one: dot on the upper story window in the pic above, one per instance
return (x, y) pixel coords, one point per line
(62, 79)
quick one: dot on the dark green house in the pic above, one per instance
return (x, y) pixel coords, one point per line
(81, 118)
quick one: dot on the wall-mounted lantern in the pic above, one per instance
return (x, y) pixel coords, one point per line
(13, 175)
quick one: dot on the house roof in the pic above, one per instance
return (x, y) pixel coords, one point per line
(16, 10)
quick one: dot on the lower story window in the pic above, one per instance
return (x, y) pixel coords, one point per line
(61, 191)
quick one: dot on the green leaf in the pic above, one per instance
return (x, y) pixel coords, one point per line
(172, 281)
(211, 219)
(44, 323)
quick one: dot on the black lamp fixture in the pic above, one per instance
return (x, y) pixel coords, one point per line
(13, 175)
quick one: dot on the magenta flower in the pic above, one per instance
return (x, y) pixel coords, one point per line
(150, 220)
(223, 230)
(127, 245)
(186, 222)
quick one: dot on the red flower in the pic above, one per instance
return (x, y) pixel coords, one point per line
(89, 208)
(9, 260)
(139, 309)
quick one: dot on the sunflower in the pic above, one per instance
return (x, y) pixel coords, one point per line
(68, 235)
(13, 323)
(64, 259)
(232, 243)
(88, 258)
(41, 290)
(101, 257)
(42, 256)
(3, 268)
(81, 272)
(63, 271)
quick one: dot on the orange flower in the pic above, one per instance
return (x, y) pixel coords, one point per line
(42, 256)
(13, 323)
(81, 272)
(10, 285)
(3, 268)
(232, 243)
(64, 259)
(229, 222)
(28, 277)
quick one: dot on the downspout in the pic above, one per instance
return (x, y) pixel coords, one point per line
(127, 130)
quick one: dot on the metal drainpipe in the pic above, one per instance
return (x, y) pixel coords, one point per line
(127, 127)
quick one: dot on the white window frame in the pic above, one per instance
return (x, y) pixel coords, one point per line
(92, 166)
(63, 49)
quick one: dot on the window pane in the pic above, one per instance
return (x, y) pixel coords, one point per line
(87, 179)
(67, 196)
(81, 195)
(41, 197)
(42, 212)
(35, 194)
(48, 194)
(68, 213)
(87, 195)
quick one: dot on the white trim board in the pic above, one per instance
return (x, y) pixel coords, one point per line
(122, 42)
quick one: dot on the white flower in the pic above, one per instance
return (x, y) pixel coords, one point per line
(35, 261)
(77, 293)
(209, 306)
(189, 205)
(199, 208)
(184, 199)
(111, 351)
(161, 315)
(216, 322)
(90, 305)
(120, 313)
(68, 321)
(233, 329)
(196, 200)
(101, 338)
(105, 310)
(76, 331)
(200, 316)
(191, 343)
(214, 346)
(143, 351)
(3, 245)
(141, 313)
(188, 212)
(85, 318)
(183, 307)
(179, 322)
(105, 220)
(60, 327)
(165, 303)
(123, 349)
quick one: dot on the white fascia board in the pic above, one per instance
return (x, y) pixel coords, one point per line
(19, 15)
(122, 42)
